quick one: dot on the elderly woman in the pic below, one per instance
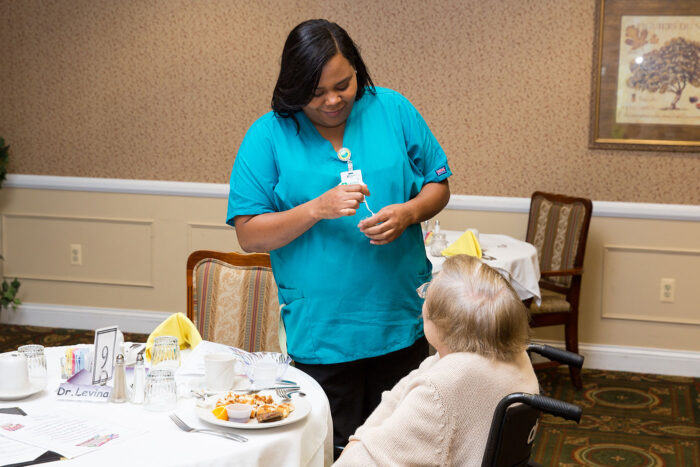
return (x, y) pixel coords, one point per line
(440, 414)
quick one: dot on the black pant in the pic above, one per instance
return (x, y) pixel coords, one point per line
(354, 389)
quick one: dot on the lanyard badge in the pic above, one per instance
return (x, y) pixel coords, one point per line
(351, 177)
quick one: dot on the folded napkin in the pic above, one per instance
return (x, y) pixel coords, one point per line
(466, 244)
(177, 325)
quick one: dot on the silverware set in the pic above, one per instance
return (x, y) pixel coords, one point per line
(224, 434)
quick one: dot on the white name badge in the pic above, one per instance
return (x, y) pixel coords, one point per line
(351, 177)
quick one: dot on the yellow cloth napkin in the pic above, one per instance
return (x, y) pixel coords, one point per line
(177, 325)
(466, 244)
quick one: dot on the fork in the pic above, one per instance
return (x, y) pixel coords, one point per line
(285, 393)
(185, 427)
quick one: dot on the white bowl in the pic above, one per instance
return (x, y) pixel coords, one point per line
(239, 412)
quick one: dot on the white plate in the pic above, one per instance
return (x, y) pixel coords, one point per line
(302, 408)
(22, 393)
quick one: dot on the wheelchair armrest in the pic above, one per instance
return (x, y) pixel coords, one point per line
(543, 403)
(556, 407)
(558, 355)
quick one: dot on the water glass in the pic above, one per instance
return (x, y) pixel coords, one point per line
(264, 373)
(438, 244)
(165, 353)
(36, 361)
(161, 392)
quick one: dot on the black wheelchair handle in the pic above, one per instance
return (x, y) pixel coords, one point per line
(557, 407)
(552, 353)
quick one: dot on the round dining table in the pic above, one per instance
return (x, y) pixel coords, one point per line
(515, 259)
(159, 442)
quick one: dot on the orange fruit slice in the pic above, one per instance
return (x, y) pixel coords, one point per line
(220, 413)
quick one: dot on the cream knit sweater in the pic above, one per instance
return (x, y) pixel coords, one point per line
(440, 413)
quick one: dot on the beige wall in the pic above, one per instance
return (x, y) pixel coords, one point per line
(135, 248)
(165, 89)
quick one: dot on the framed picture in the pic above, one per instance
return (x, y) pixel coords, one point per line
(646, 75)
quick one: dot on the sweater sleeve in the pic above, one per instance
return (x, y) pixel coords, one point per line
(417, 432)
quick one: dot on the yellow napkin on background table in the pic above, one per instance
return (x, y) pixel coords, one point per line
(177, 325)
(466, 244)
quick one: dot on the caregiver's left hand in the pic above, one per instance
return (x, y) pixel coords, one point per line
(386, 225)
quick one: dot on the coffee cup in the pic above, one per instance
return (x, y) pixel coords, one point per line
(14, 374)
(219, 371)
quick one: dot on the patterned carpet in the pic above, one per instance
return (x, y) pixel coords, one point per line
(629, 419)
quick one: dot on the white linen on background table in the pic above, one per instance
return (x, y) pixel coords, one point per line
(307, 442)
(516, 260)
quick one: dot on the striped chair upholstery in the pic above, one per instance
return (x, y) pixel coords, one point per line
(555, 229)
(235, 304)
(558, 228)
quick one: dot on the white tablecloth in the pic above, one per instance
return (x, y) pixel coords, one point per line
(306, 442)
(514, 259)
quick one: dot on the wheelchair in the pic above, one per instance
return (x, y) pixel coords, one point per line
(516, 418)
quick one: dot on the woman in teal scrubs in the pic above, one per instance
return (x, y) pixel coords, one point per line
(334, 183)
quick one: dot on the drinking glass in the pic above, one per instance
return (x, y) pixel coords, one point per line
(36, 361)
(264, 373)
(161, 392)
(165, 353)
(438, 244)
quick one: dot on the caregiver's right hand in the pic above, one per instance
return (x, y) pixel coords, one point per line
(342, 200)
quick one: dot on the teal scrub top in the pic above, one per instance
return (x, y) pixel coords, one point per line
(344, 299)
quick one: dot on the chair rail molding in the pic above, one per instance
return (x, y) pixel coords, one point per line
(681, 212)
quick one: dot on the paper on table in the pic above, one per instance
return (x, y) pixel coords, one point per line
(62, 433)
(15, 452)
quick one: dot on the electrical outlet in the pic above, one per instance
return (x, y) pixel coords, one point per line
(76, 254)
(667, 292)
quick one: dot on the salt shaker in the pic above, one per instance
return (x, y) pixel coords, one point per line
(137, 388)
(118, 394)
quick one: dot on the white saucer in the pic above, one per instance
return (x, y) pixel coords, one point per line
(34, 387)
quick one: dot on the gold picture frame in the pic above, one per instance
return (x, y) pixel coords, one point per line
(641, 98)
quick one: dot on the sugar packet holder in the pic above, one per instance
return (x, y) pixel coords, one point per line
(75, 359)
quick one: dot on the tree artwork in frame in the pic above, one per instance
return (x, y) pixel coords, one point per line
(646, 75)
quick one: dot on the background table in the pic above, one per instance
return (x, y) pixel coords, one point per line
(516, 260)
(306, 442)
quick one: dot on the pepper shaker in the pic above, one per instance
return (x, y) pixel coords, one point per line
(118, 394)
(139, 385)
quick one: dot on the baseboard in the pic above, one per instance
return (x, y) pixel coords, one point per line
(81, 317)
(637, 359)
(602, 357)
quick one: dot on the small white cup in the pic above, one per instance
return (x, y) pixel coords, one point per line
(219, 371)
(475, 232)
(14, 374)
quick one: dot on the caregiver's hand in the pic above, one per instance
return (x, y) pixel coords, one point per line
(342, 200)
(387, 224)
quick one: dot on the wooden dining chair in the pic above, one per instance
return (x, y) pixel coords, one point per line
(232, 299)
(558, 228)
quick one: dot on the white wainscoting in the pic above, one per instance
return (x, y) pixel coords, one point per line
(77, 317)
(602, 357)
(635, 359)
